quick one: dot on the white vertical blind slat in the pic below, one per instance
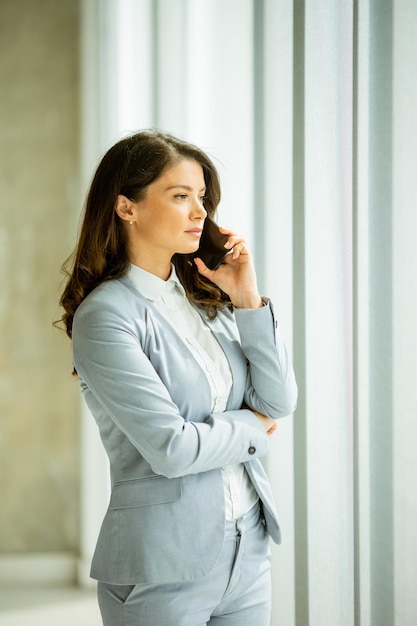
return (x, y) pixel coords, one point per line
(328, 310)
(404, 230)
(277, 112)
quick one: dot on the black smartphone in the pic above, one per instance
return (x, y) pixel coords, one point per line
(211, 249)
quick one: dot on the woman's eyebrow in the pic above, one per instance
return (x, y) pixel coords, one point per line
(187, 187)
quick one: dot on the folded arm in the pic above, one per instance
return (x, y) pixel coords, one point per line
(128, 392)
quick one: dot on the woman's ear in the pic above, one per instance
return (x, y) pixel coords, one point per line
(124, 208)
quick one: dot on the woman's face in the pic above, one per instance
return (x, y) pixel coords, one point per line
(170, 217)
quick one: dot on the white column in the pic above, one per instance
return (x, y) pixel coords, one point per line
(362, 326)
(125, 68)
(380, 321)
(171, 77)
(327, 275)
(404, 229)
(133, 44)
(94, 466)
(276, 109)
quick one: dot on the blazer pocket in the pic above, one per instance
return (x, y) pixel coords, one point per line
(145, 492)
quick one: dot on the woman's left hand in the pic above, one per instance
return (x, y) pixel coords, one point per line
(236, 276)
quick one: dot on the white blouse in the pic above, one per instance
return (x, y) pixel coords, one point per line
(171, 301)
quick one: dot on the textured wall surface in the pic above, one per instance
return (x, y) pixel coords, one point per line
(39, 431)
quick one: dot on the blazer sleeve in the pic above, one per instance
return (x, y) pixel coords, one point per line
(271, 387)
(111, 363)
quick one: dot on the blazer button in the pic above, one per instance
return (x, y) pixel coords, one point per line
(252, 450)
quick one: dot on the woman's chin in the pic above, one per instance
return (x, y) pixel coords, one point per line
(189, 249)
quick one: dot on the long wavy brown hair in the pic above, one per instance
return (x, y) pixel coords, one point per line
(128, 168)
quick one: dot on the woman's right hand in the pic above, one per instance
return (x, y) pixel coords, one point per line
(268, 423)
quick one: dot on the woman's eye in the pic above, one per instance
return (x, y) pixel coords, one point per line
(202, 198)
(181, 196)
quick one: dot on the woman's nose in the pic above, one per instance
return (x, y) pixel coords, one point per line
(198, 209)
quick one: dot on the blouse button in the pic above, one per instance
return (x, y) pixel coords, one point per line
(252, 450)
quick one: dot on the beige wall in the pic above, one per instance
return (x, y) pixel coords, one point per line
(39, 432)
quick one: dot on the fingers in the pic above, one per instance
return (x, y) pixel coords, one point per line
(272, 429)
(239, 249)
(234, 238)
(235, 242)
(202, 267)
(268, 423)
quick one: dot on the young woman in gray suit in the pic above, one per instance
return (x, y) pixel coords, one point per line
(185, 373)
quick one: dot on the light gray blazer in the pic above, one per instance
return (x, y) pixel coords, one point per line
(152, 403)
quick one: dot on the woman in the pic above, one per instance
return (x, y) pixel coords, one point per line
(185, 374)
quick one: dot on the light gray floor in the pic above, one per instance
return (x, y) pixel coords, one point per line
(48, 607)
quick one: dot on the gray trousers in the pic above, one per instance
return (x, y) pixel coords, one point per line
(237, 592)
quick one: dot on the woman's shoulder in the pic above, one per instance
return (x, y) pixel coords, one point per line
(111, 298)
